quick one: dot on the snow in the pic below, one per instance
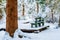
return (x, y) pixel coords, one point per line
(50, 34)
(3, 22)
(1, 34)
(44, 35)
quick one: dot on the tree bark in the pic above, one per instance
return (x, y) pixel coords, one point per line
(52, 15)
(59, 22)
(11, 19)
(23, 10)
(37, 7)
(1, 15)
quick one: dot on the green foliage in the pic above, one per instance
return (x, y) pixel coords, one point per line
(37, 0)
(42, 1)
(0, 1)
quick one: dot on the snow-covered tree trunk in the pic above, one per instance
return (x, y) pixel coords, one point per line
(0, 10)
(59, 21)
(52, 17)
(37, 7)
(1, 13)
(11, 19)
(52, 14)
(23, 10)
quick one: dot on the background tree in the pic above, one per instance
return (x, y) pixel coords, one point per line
(1, 13)
(59, 22)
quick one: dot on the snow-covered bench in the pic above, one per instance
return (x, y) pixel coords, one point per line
(38, 22)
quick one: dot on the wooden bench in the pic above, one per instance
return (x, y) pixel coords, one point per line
(33, 25)
(38, 22)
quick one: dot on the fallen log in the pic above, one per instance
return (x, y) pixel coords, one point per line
(28, 31)
(2, 29)
(44, 28)
(33, 31)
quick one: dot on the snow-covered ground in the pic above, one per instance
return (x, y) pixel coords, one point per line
(50, 34)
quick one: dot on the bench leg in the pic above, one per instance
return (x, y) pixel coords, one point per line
(42, 23)
(31, 25)
(35, 25)
(39, 24)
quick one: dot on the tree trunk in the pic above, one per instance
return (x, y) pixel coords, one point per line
(59, 22)
(11, 19)
(37, 7)
(0, 2)
(52, 15)
(23, 10)
(1, 15)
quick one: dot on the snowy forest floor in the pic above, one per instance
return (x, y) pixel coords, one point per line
(50, 34)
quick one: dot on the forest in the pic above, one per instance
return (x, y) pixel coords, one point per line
(29, 19)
